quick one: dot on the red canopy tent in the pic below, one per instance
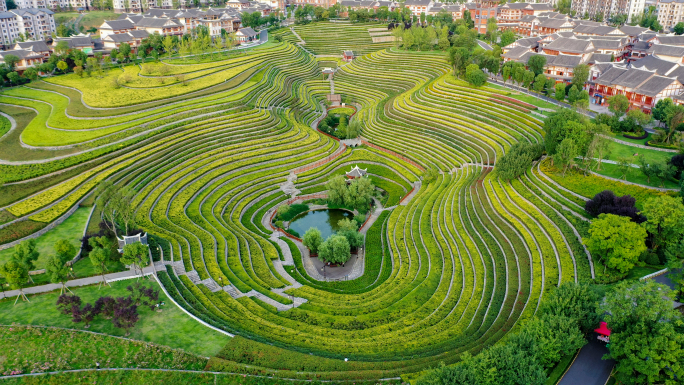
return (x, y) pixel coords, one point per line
(603, 332)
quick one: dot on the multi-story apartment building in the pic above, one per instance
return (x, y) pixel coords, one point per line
(3, 6)
(67, 4)
(670, 12)
(31, 23)
(482, 11)
(608, 8)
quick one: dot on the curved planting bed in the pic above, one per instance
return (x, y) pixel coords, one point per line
(453, 262)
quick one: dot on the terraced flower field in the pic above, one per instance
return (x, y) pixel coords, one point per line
(452, 264)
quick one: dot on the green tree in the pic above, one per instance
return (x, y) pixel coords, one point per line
(11, 61)
(575, 301)
(624, 166)
(58, 272)
(517, 159)
(678, 28)
(337, 189)
(282, 210)
(618, 105)
(135, 254)
(573, 94)
(539, 83)
(580, 75)
(14, 77)
(560, 92)
(639, 118)
(528, 78)
(99, 258)
(646, 342)
(664, 221)
(507, 37)
(335, 249)
(26, 254)
(16, 275)
(536, 64)
(550, 86)
(548, 338)
(312, 239)
(617, 241)
(661, 108)
(565, 154)
(359, 194)
(475, 76)
(506, 73)
(62, 66)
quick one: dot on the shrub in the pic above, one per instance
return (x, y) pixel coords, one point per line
(606, 202)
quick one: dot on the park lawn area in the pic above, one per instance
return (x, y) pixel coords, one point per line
(71, 229)
(618, 150)
(172, 327)
(635, 176)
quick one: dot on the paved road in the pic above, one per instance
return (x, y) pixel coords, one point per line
(589, 368)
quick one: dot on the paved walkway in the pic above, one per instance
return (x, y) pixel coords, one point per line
(589, 368)
(614, 139)
(84, 281)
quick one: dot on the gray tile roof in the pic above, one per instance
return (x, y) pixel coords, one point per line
(417, 2)
(671, 40)
(117, 24)
(248, 31)
(655, 85)
(21, 54)
(571, 45)
(151, 22)
(599, 58)
(139, 33)
(652, 63)
(516, 53)
(35, 46)
(553, 23)
(630, 78)
(667, 50)
(568, 61)
(633, 30)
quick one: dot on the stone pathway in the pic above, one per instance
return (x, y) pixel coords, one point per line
(614, 139)
(413, 193)
(632, 183)
(289, 186)
(112, 277)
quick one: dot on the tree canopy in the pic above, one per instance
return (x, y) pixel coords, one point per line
(616, 241)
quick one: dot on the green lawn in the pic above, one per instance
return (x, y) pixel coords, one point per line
(71, 229)
(172, 327)
(90, 19)
(618, 150)
(635, 176)
(341, 110)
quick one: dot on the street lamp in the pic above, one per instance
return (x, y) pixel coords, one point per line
(221, 281)
(324, 277)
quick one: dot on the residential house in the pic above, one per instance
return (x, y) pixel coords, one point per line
(161, 26)
(133, 39)
(113, 27)
(26, 58)
(37, 46)
(246, 35)
(641, 87)
(419, 6)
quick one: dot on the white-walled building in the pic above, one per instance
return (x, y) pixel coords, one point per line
(608, 8)
(3, 6)
(32, 23)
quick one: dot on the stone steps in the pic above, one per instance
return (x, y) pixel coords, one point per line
(194, 277)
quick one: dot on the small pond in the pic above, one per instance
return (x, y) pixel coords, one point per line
(325, 220)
